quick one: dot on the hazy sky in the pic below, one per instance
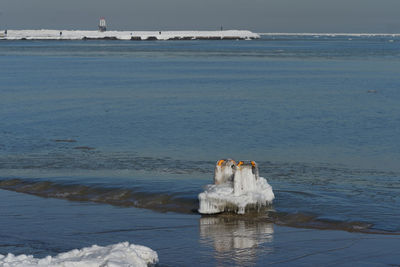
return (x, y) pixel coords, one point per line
(255, 15)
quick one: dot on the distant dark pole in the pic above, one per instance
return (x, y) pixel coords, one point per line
(222, 28)
(5, 32)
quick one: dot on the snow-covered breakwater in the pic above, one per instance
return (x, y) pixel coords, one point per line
(122, 254)
(126, 35)
(338, 34)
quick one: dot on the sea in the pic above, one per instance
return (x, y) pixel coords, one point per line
(106, 141)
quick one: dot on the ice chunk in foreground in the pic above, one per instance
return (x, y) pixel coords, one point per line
(235, 188)
(121, 254)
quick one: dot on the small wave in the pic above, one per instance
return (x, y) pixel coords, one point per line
(307, 194)
(127, 197)
(89, 158)
(302, 220)
(181, 202)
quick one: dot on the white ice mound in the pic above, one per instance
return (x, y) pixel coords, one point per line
(121, 254)
(236, 188)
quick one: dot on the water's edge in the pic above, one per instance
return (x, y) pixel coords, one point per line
(174, 202)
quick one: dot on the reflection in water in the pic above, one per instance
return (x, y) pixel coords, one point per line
(236, 240)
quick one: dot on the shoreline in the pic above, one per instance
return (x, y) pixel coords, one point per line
(127, 35)
(157, 202)
(209, 240)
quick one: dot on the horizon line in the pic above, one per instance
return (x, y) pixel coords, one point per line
(327, 33)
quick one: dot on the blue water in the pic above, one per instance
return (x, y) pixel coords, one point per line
(319, 115)
(287, 100)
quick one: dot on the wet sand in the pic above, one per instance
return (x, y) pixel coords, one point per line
(47, 226)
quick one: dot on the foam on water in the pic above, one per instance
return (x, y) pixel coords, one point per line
(245, 190)
(121, 254)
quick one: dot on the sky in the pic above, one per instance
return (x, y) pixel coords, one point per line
(370, 16)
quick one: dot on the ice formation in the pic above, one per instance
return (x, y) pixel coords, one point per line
(121, 254)
(224, 171)
(236, 187)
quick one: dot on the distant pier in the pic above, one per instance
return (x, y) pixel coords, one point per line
(128, 35)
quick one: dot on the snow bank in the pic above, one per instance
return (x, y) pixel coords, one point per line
(245, 190)
(122, 254)
(126, 35)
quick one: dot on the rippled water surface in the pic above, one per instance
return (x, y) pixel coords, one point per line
(141, 124)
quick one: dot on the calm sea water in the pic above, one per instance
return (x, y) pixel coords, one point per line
(141, 124)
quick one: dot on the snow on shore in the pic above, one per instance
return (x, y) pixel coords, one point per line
(125, 35)
(121, 254)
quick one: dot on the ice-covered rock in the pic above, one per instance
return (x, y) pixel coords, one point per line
(244, 190)
(224, 171)
(245, 178)
(121, 254)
